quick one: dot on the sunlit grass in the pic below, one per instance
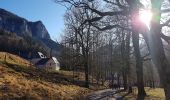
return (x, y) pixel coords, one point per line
(14, 85)
(19, 87)
(152, 94)
(18, 81)
(13, 59)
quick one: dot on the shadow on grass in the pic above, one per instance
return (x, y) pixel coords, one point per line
(103, 95)
(40, 74)
(123, 96)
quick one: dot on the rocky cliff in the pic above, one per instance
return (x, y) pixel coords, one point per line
(12, 23)
(15, 24)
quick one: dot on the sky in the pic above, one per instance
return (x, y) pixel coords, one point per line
(50, 13)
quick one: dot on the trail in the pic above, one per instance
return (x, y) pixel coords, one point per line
(107, 94)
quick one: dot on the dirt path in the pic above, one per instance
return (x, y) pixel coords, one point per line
(107, 94)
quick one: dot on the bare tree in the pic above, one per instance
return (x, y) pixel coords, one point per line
(130, 10)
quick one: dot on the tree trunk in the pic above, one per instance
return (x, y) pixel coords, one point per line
(139, 67)
(156, 47)
(160, 61)
(124, 80)
(118, 81)
(124, 61)
(86, 73)
(127, 53)
(134, 9)
(130, 89)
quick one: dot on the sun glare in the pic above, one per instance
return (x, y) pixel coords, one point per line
(145, 16)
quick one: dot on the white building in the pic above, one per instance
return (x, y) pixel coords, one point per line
(46, 63)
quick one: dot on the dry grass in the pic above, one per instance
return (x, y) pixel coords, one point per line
(13, 59)
(26, 83)
(17, 86)
(152, 94)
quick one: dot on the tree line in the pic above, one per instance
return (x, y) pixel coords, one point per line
(106, 36)
(22, 46)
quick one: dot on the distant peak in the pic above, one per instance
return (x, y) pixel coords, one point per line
(7, 13)
(1, 9)
(21, 26)
(39, 21)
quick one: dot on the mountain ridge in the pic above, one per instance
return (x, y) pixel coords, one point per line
(12, 23)
(21, 26)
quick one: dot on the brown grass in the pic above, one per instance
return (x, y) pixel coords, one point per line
(152, 94)
(17, 81)
(13, 59)
(17, 86)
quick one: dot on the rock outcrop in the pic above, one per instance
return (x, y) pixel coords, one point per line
(36, 31)
(15, 24)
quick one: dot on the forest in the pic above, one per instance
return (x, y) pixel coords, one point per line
(123, 40)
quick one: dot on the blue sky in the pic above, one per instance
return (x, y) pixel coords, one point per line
(50, 13)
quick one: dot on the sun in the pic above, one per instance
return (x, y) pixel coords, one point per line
(145, 17)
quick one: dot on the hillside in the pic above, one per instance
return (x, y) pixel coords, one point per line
(20, 81)
(13, 59)
(21, 45)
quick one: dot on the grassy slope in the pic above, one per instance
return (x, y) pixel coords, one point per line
(17, 80)
(13, 59)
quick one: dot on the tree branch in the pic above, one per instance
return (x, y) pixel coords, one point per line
(92, 20)
(165, 10)
(146, 59)
(111, 27)
(166, 23)
(117, 3)
(166, 38)
(145, 55)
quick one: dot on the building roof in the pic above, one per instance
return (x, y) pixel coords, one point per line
(42, 61)
(55, 60)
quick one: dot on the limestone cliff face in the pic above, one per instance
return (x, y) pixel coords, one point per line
(12, 23)
(15, 24)
(38, 30)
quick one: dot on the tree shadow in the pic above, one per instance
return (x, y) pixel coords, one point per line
(141, 97)
(103, 95)
(126, 94)
(122, 97)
